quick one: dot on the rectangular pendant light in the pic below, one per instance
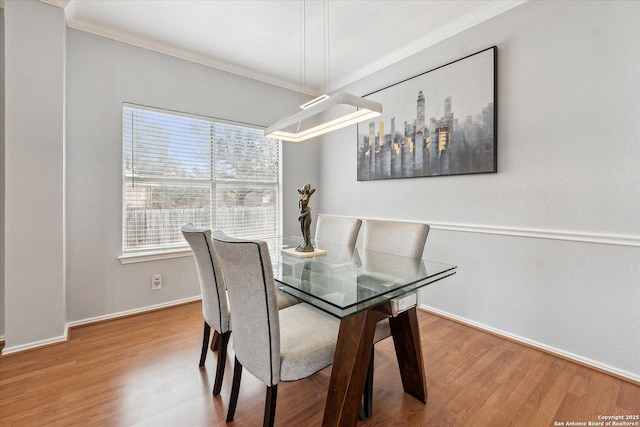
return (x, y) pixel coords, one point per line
(366, 109)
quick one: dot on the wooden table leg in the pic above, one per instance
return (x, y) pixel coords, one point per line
(349, 371)
(406, 339)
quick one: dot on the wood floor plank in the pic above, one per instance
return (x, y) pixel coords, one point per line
(534, 401)
(628, 398)
(143, 371)
(546, 410)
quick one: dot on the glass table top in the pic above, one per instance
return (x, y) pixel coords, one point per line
(343, 281)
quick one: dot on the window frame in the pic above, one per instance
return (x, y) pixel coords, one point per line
(182, 249)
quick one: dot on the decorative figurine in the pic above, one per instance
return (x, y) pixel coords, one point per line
(305, 218)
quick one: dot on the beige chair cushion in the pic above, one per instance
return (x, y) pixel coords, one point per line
(307, 341)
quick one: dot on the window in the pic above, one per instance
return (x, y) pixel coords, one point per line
(179, 168)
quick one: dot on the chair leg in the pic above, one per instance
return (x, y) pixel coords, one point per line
(361, 414)
(223, 340)
(205, 343)
(270, 406)
(214, 341)
(235, 390)
(366, 408)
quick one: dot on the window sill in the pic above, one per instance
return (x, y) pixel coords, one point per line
(154, 256)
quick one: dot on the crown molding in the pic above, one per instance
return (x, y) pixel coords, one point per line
(178, 52)
(58, 3)
(485, 13)
(459, 25)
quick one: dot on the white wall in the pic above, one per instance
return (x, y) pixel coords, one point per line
(102, 74)
(568, 153)
(34, 173)
(300, 166)
(548, 249)
(2, 174)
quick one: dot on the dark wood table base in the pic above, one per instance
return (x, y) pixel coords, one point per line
(406, 339)
(353, 354)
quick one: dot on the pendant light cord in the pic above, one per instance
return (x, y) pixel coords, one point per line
(302, 46)
(303, 60)
(328, 50)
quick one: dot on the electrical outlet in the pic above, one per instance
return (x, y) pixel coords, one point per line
(156, 282)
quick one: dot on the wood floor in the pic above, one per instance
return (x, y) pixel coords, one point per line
(143, 371)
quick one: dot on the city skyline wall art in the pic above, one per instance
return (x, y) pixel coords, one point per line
(440, 122)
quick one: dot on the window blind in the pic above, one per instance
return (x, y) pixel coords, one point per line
(179, 168)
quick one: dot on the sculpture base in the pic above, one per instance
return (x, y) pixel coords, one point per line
(292, 251)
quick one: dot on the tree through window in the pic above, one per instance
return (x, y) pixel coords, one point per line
(179, 168)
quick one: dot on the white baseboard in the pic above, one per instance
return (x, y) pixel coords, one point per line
(132, 312)
(619, 373)
(36, 344)
(76, 323)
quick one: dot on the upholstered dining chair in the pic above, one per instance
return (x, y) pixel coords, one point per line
(273, 345)
(336, 229)
(405, 239)
(395, 237)
(215, 308)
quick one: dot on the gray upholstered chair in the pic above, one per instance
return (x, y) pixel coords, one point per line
(397, 238)
(215, 309)
(336, 229)
(273, 345)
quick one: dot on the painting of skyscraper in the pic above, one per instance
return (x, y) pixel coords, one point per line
(440, 122)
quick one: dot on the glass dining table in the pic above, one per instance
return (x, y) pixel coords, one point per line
(360, 288)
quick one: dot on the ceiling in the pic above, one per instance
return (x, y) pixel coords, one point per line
(311, 46)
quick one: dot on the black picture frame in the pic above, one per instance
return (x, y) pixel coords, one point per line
(440, 122)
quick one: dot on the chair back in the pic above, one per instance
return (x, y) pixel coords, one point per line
(215, 308)
(340, 230)
(395, 237)
(254, 305)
